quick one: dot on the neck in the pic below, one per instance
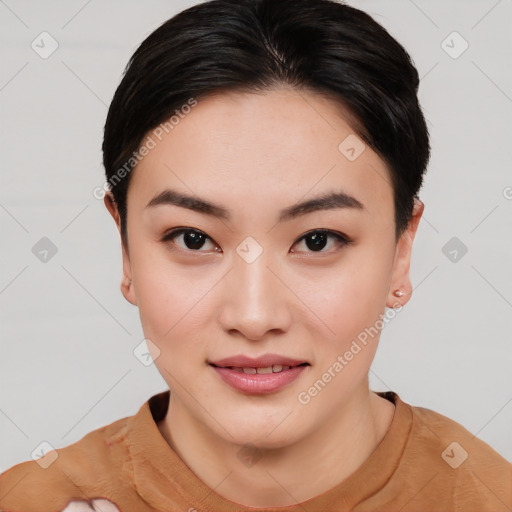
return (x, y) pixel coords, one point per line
(290, 474)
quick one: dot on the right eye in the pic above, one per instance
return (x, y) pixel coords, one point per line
(192, 240)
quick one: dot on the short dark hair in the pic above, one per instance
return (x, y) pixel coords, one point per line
(254, 45)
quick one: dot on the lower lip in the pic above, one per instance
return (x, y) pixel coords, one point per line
(258, 383)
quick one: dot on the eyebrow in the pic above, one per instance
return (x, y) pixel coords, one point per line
(327, 201)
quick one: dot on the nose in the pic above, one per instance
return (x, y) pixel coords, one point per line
(255, 300)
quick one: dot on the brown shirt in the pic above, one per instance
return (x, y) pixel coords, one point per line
(426, 462)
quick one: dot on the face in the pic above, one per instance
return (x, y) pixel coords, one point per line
(264, 277)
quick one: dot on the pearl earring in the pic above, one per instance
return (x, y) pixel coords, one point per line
(398, 293)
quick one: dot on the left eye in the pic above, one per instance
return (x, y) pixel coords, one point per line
(316, 240)
(194, 239)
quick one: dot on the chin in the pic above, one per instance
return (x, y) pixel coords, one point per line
(261, 443)
(274, 433)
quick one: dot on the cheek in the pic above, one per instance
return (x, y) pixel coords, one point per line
(170, 316)
(351, 300)
(171, 299)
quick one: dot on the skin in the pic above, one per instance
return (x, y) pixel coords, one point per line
(97, 505)
(256, 154)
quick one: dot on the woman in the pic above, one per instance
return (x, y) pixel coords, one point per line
(263, 163)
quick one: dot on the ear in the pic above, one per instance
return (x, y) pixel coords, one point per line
(127, 288)
(400, 275)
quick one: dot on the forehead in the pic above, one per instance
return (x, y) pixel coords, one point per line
(257, 148)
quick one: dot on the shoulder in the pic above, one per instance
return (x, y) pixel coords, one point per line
(443, 432)
(97, 459)
(449, 457)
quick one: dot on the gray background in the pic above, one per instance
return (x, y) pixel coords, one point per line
(67, 335)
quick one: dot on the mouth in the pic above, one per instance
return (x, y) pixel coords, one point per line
(266, 374)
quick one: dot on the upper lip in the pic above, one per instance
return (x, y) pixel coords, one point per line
(263, 361)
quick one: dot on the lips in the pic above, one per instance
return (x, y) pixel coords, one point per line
(268, 373)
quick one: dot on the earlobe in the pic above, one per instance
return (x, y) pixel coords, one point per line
(128, 291)
(398, 298)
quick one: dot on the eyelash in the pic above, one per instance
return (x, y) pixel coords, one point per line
(342, 240)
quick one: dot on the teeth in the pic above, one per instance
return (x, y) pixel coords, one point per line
(276, 368)
(268, 369)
